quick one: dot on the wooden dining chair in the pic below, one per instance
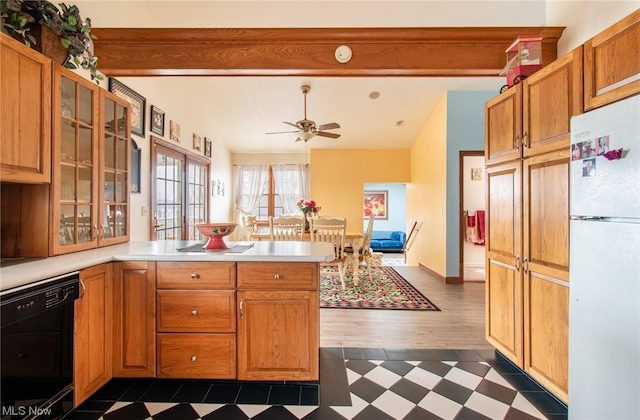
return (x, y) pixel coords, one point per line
(286, 228)
(362, 254)
(250, 225)
(331, 230)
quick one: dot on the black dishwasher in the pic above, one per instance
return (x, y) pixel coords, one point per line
(37, 348)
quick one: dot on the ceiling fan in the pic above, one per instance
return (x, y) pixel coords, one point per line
(306, 129)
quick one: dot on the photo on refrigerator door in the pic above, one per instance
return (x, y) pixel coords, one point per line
(602, 145)
(589, 167)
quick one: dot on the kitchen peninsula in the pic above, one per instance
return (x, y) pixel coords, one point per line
(158, 312)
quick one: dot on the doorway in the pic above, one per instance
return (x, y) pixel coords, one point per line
(472, 201)
(180, 193)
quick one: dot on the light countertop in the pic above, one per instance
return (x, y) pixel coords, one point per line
(32, 271)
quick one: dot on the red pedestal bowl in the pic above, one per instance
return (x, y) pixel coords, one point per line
(215, 232)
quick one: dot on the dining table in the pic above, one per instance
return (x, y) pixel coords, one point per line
(351, 238)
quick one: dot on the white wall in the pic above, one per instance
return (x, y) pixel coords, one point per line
(584, 19)
(185, 106)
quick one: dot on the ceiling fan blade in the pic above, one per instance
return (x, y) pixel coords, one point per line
(282, 132)
(330, 135)
(291, 124)
(329, 126)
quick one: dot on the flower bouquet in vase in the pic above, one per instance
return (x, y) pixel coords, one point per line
(309, 208)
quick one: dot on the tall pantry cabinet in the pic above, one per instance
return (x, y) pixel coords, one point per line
(527, 243)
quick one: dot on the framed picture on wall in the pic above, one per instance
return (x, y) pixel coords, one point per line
(207, 147)
(138, 104)
(197, 142)
(174, 131)
(157, 120)
(375, 202)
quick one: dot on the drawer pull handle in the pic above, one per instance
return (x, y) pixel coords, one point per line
(193, 358)
(194, 276)
(194, 313)
(276, 276)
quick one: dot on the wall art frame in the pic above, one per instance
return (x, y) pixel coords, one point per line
(174, 131)
(375, 202)
(137, 101)
(207, 147)
(156, 122)
(197, 142)
(136, 164)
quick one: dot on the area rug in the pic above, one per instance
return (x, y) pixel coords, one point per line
(386, 290)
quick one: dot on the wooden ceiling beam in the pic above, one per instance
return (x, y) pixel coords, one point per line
(311, 51)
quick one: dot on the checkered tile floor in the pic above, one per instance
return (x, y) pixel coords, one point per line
(378, 389)
(433, 389)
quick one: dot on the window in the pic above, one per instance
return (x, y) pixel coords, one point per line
(270, 190)
(179, 193)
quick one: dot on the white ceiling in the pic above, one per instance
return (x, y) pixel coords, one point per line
(247, 108)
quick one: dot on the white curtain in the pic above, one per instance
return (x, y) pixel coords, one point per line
(250, 183)
(291, 183)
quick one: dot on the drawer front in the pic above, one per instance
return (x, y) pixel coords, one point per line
(196, 311)
(197, 356)
(278, 276)
(196, 275)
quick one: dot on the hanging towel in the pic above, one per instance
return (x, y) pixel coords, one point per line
(480, 223)
(471, 229)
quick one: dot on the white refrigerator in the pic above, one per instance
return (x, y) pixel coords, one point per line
(604, 308)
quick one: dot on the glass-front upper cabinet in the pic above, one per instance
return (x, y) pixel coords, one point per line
(74, 194)
(115, 170)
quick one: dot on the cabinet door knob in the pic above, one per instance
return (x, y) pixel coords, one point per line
(193, 358)
(194, 276)
(194, 313)
(276, 276)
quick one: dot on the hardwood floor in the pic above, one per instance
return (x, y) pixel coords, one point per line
(460, 323)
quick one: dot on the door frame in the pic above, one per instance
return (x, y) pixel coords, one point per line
(463, 154)
(188, 157)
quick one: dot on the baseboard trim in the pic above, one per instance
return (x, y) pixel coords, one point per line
(445, 280)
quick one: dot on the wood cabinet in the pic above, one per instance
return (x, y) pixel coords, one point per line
(114, 170)
(527, 220)
(25, 114)
(91, 160)
(278, 321)
(611, 64)
(503, 247)
(196, 320)
(534, 116)
(86, 147)
(93, 332)
(134, 319)
(74, 196)
(503, 126)
(545, 270)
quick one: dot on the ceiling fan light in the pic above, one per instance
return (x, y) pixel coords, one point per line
(306, 135)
